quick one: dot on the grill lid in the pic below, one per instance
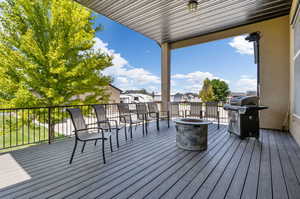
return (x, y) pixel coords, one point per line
(244, 100)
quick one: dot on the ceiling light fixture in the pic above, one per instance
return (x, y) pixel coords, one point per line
(193, 5)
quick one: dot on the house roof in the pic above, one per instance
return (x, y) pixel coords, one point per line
(170, 21)
(115, 88)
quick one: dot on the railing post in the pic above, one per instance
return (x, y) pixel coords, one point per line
(50, 132)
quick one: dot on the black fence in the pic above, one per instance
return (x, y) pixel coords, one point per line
(25, 126)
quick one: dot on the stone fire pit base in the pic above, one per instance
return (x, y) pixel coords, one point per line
(191, 134)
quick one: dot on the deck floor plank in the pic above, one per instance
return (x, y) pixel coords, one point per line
(278, 182)
(236, 187)
(265, 176)
(251, 181)
(290, 176)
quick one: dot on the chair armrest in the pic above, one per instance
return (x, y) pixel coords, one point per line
(115, 121)
(105, 122)
(91, 128)
(164, 111)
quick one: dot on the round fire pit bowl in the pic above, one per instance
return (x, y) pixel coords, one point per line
(191, 134)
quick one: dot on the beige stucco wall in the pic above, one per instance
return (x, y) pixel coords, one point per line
(294, 120)
(274, 68)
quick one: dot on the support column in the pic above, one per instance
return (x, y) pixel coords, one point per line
(165, 75)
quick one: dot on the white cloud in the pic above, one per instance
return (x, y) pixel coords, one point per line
(242, 46)
(246, 84)
(126, 76)
(191, 82)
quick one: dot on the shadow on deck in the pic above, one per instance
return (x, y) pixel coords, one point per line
(153, 167)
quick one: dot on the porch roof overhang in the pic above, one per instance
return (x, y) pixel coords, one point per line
(171, 21)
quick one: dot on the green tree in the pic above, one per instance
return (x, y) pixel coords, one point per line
(220, 89)
(47, 56)
(207, 93)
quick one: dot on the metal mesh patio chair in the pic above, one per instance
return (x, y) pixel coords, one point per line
(107, 124)
(126, 117)
(212, 111)
(142, 114)
(174, 110)
(84, 134)
(154, 113)
(195, 110)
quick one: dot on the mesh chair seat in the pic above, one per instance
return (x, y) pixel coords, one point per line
(94, 135)
(105, 126)
(161, 116)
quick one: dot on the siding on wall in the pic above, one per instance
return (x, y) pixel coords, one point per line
(294, 49)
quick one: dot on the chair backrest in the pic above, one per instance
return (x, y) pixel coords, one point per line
(152, 107)
(141, 108)
(124, 111)
(123, 108)
(174, 109)
(100, 111)
(211, 109)
(77, 119)
(195, 108)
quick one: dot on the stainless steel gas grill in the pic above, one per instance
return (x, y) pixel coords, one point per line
(243, 116)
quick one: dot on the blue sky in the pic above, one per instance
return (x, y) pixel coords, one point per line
(137, 61)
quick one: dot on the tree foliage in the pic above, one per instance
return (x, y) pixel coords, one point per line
(47, 56)
(220, 89)
(207, 93)
(214, 90)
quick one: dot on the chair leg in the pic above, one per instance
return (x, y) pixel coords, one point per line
(83, 146)
(95, 142)
(218, 115)
(131, 131)
(125, 131)
(74, 149)
(168, 122)
(157, 123)
(110, 144)
(146, 127)
(143, 126)
(117, 137)
(103, 152)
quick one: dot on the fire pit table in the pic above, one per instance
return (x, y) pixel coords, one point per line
(191, 134)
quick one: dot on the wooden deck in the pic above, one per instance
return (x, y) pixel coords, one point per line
(153, 167)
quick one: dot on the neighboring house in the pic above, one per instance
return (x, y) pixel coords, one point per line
(179, 97)
(114, 94)
(113, 91)
(237, 94)
(135, 98)
(250, 93)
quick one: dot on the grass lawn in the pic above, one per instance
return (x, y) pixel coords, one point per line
(14, 134)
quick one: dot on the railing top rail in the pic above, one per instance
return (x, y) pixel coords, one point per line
(57, 106)
(80, 105)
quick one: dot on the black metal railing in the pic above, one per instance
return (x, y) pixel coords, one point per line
(25, 126)
(209, 111)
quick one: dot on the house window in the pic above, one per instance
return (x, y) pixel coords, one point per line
(296, 59)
